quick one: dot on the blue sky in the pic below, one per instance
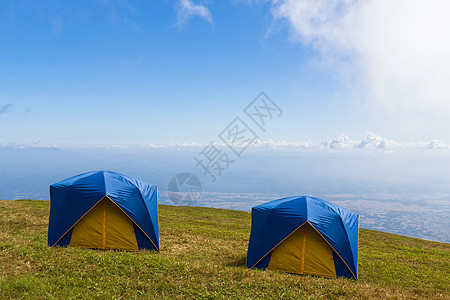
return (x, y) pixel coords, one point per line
(91, 73)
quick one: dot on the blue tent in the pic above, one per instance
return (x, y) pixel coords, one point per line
(304, 235)
(104, 210)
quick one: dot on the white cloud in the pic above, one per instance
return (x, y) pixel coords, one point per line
(187, 9)
(340, 142)
(373, 141)
(437, 144)
(396, 52)
(278, 145)
(370, 142)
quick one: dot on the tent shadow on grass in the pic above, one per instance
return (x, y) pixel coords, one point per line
(241, 261)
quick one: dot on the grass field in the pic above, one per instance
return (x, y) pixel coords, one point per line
(203, 253)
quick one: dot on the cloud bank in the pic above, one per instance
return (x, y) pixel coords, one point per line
(186, 10)
(370, 141)
(395, 52)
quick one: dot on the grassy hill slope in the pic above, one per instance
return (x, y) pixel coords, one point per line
(203, 253)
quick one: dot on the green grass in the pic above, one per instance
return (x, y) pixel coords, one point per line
(203, 253)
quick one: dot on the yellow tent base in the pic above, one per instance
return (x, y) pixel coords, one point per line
(304, 252)
(105, 226)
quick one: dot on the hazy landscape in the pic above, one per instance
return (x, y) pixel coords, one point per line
(403, 191)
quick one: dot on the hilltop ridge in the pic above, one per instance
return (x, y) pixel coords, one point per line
(203, 253)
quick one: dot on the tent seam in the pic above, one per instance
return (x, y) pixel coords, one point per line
(345, 229)
(133, 222)
(333, 249)
(333, 209)
(347, 239)
(277, 245)
(78, 221)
